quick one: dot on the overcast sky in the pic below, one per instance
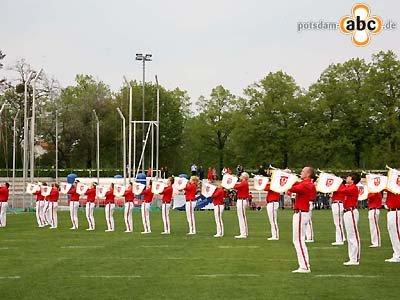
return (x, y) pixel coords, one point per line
(196, 45)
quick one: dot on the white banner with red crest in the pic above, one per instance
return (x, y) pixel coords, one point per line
(229, 181)
(376, 183)
(393, 183)
(65, 187)
(282, 181)
(207, 189)
(328, 183)
(179, 183)
(137, 188)
(81, 188)
(157, 187)
(260, 182)
(119, 190)
(101, 191)
(45, 190)
(362, 192)
(32, 188)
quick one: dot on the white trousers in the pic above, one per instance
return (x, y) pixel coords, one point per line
(189, 207)
(165, 207)
(337, 213)
(73, 212)
(300, 221)
(309, 227)
(128, 216)
(3, 214)
(46, 212)
(109, 210)
(39, 213)
(272, 212)
(218, 210)
(89, 214)
(146, 216)
(393, 225)
(373, 217)
(53, 207)
(353, 237)
(241, 205)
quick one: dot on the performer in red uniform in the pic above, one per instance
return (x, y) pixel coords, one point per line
(242, 188)
(90, 204)
(146, 203)
(109, 208)
(74, 205)
(337, 213)
(218, 199)
(374, 205)
(4, 194)
(309, 226)
(393, 224)
(350, 218)
(190, 195)
(39, 206)
(128, 207)
(304, 190)
(53, 205)
(272, 212)
(166, 205)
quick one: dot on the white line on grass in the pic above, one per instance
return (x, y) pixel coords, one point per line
(158, 246)
(110, 276)
(324, 248)
(80, 247)
(10, 277)
(234, 247)
(227, 275)
(7, 248)
(347, 276)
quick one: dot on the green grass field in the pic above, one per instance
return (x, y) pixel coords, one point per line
(39, 263)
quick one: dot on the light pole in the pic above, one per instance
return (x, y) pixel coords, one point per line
(25, 145)
(143, 58)
(124, 142)
(14, 154)
(129, 131)
(32, 159)
(158, 127)
(98, 146)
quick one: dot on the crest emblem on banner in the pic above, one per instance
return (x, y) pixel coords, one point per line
(282, 181)
(157, 187)
(65, 187)
(138, 188)
(362, 192)
(229, 181)
(376, 183)
(119, 190)
(207, 189)
(260, 182)
(81, 188)
(328, 183)
(180, 183)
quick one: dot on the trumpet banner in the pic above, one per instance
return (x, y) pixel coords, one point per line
(229, 181)
(376, 183)
(328, 183)
(180, 183)
(65, 187)
(207, 189)
(45, 190)
(119, 190)
(32, 188)
(282, 181)
(101, 191)
(362, 192)
(157, 187)
(138, 188)
(260, 182)
(81, 188)
(393, 183)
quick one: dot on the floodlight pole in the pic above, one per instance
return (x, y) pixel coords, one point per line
(124, 142)
(14, 155)
(129, 132)
(98, 145)
(158, 128)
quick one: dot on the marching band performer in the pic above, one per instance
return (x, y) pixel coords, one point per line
(350, 217)
(166, 205)
(128, 206)
(46, 210)
(337, 213)
(309, 228)
(109, 208)
(53, 205)
(146, 203)
(190, 196)
(242, 188)
(90, 204)
(272, 211)
(218, 198)
(39, 207)
(374, 205)
(73, 206)
(304, 192)
(393, 224)
(4, 194)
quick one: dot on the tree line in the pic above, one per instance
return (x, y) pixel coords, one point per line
(348, 118)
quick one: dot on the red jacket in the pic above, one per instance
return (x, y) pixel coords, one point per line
(339, 194)
(109, 197)
(54, 195)
(38, 195)
(392, 200)
(4, 194)
(374, 200)
(271, 195)
(305, 191)
(91, 194)
(351, 196)
(242, 188)
(218, 196)
(129, 195)
(190, 191)
(74, 195)
(147, 195)
(167, 194)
